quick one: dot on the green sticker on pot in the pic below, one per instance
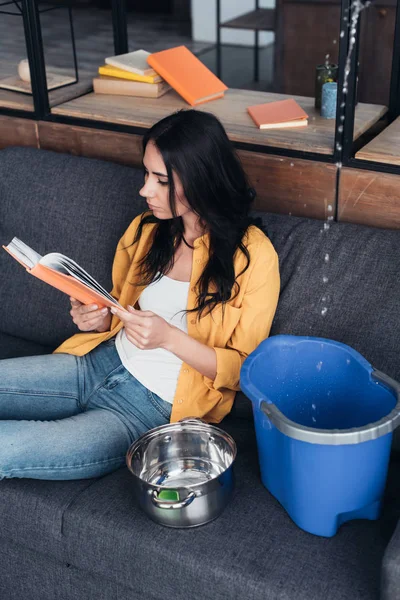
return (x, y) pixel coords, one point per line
(169, 495)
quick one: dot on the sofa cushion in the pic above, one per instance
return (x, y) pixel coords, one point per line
(391, 568)
(32, 512)
(59, 203)
(253, 550)
(11, 346)
(350, 270)
(30, 575)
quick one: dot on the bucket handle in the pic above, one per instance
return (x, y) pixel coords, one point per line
(168, 505)
(393, 385)
(388, 381)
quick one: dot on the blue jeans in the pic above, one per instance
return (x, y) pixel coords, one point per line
(69, 417)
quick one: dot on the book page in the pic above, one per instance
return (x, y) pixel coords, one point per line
(67, 266)
(23, 253)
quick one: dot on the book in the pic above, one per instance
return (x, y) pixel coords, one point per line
(277, 115)
(134, 62)
(187, 75)
(123, 87)
(121, 74)
(62, 273)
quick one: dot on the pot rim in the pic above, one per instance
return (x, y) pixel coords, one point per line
(162, 430)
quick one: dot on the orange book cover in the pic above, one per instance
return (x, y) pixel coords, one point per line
(276, 115)
(67, 283)
(187, 75)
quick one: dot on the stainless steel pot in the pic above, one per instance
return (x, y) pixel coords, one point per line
(182, 472)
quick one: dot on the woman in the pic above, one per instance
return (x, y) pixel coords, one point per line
(199, 283)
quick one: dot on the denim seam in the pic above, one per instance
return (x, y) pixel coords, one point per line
(157, 405)
(35, 393)
(81, 383)
(72, 465)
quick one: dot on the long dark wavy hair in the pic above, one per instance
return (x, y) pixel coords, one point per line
(195, 146)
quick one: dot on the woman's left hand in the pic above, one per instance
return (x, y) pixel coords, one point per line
(144, 329)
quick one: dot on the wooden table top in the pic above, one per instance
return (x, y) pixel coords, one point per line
(231, 110)
(385, 147)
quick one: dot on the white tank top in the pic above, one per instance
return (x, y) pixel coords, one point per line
(157, 369)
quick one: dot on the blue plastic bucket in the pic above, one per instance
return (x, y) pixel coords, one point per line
(324, 420)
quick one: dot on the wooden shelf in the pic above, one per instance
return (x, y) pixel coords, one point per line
(231, 110)
(385, 147)
(18, 101)
(261, 19)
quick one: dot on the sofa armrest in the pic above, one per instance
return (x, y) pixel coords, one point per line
(390, 574)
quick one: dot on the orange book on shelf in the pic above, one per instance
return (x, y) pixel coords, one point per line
(61, 272)
(187, 75)
(277, 115)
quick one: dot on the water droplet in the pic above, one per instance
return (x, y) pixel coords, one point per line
(290, 214)
(326, 226)
(342, 34)
(330, 218)
(326, 257)
(348, 361)
(339, 149)
(292, 164)
(324, 311)
(329, 207)
(319, 365)
(305, 205)
(340, 129)
(313, 406)
(335, 41)
(323, 300)
(325, 279)
(339, 165)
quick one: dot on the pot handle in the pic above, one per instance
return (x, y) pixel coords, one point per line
(162, 504)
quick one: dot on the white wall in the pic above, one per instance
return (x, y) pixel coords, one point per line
(204, 21)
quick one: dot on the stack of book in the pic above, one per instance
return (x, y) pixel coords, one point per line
(140, 73)
(129, 75)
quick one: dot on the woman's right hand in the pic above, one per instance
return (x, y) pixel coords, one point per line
(89, 317)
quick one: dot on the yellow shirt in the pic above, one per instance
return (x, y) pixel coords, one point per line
(247, 319)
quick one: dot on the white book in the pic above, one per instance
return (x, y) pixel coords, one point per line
(134, 62)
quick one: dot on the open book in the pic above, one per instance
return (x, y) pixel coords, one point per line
(62, 273)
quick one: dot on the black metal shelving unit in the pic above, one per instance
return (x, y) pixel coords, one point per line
(259, 19)
(30, 13)
(343, 153)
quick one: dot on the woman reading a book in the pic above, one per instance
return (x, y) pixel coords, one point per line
(199, 283)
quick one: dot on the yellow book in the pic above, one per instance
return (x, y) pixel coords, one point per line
(121, 74)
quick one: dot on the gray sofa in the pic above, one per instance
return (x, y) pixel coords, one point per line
(87, 539)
